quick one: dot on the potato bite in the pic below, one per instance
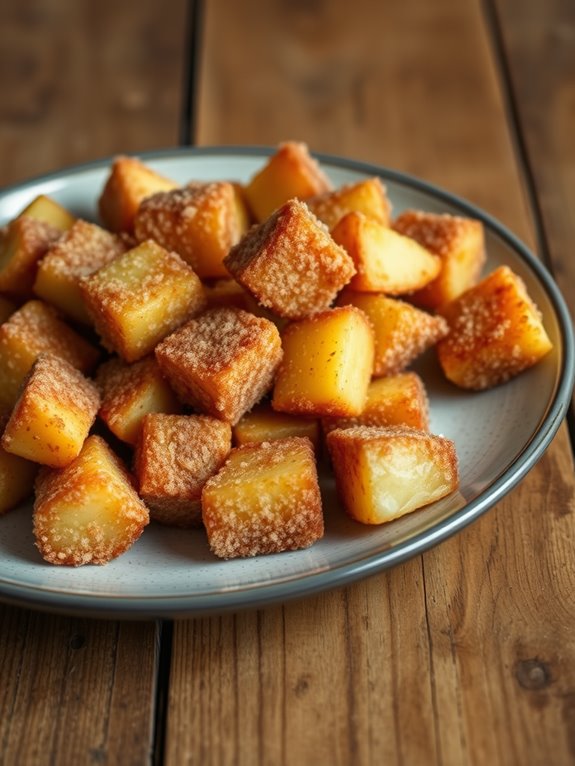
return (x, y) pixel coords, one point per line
(495, 332)
(384, 473)
(88, 512)
(263, 424)
(222, 362)
(47, 210)
(175, 456)
(24, 243)
(290, 263)
(16, 480)
(265, 499)
(368, 197)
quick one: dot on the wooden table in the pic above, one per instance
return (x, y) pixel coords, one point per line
(465, 655)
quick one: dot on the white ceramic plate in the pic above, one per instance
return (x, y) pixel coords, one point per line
(499, 435)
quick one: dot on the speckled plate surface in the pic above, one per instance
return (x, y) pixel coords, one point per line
(499, 435)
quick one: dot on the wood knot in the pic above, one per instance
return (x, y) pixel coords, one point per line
(77, 641)
(533, 675)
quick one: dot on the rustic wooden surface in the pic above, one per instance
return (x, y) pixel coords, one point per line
(463, 655)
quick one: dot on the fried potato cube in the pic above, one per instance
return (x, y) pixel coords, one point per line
(31, 330)
(263, 424)
(401, 331)
(140, 297)
(327, 364)
(397, 400)
(130, 181)
(16, 480)
(384, 473)
(290, 172)
(200, 222)
(496, 332)
(385, 261)
(222, 362)
(24, 243)
(175, 456)
(7, 308)
(130, 392)
(88, 512)
(227, 292)
(368, 197)
(265, 499)
(290, 263)
(459, 243)
(47, 210)
(81, 251)
(53, 414)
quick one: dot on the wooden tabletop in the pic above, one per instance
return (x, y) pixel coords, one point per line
(464, 655)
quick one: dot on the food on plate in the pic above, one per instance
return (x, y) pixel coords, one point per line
(401, 331)
(368, 197)
(45, 209)
(130, 392)
(53, 415)
(495, 332)
(140, 297)
(175, 456)
(16, 480)
(7, 308)
(290, 263)
(385, 261)
(200, 222)
(459, 243)
(264, 424)
(24, 243)
(265, 499)
(327, 364)
(88, 512)
(384, 473)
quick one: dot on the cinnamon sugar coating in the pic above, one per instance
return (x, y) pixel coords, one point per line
(24, 243)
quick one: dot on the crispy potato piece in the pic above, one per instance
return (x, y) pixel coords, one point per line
(16, 480)
(459, 242)
(129, 183)
(223, 362)
(401, 331)
(263, 424)
(290, 172)
(397, 400)
(265, 499)
(25, 242)
(385, 261)
(130, 392)
(290, 263)
(327, 364)
(81, 251)
(368, 197)
(496, 332)
(175, 456)
(227, 292)
(46, 209)
(200, 222)
(53, 414)
(384, 473)
(140, 297)
(88, 512)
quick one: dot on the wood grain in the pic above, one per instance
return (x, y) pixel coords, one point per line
(463, 655)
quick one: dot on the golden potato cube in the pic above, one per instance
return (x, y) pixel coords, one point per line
(290, 172)
(7, 308)
(459, 243)
(33, 329)
(47, 210)
(265, 499)
(385, 261)
(81, 251)
(16, 480)
(223, 362)
(88, 512)
(53, 414)
(327, 364)
(200, 222)
(263, 424)
(140, 297)
(129, 183)
(495, 332)
(130, 392)
(384, 473)
(401, 331)
(397, 400)
(368, 197)
(290, 263)
(24, 243)
(175, 456)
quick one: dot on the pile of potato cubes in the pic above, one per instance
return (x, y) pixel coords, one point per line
(231, 338)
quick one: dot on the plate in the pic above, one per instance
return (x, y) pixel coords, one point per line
(499, 435)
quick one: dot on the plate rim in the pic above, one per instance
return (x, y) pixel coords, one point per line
(258, 595)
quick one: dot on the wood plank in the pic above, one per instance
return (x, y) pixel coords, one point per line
(81, 81)
(462, 655)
